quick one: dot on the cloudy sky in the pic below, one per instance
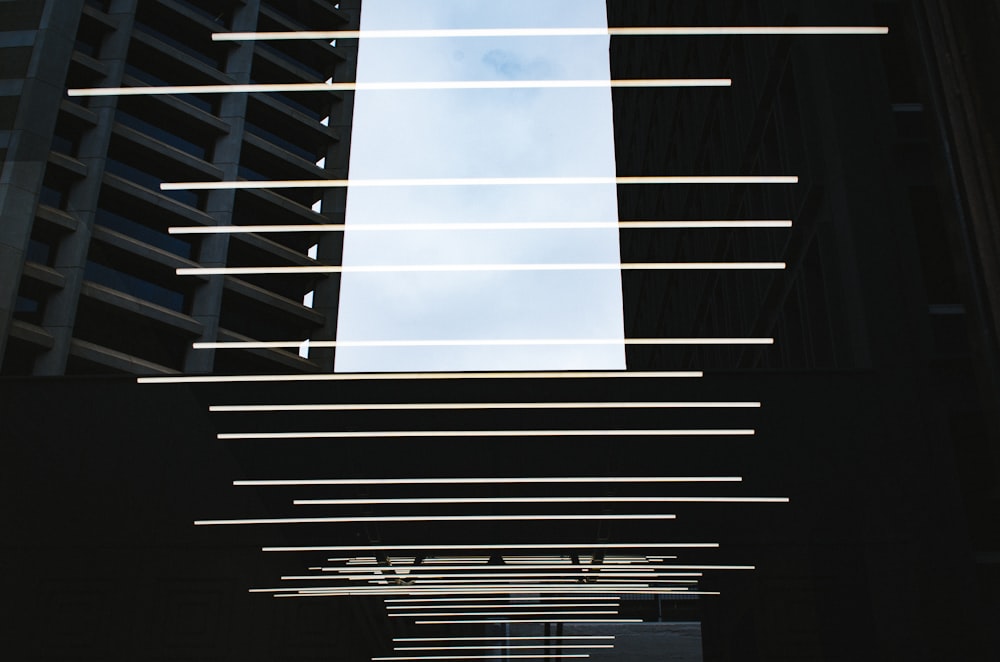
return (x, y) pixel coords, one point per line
(482, 133)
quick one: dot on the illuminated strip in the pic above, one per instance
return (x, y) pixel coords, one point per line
(429, 518)
(360, 591)
(398, 86)
(612, 572)
(511, 613)
(477, 657)
(471, 599)
(557, 582)
(543, 638)
(322, 344)
(435, 406)
(693, 31)
(485, 481)
(471, 181)
(585, 545)
(515, 573)
(451, 268)
(409, 376)
(528, 620)
(423, 434)
(470, 500)
(393, 600)
(615, 571)
(483, 589)
(455, 227)
(614, 603)
(435, 577)
(517, 567)
(495, 647)
(497, 589)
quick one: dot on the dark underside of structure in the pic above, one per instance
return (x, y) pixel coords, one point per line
(880, 399)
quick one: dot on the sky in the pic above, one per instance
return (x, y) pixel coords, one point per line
(482, 133)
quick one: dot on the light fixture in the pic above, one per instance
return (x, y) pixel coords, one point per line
(423, 434)
(583, 499)
(673, 31)
(415, 376)
(494, 546)
(432, 518)
(487, 481)
(539, 342)
(398, 86)
(477, 227)
(460, 268)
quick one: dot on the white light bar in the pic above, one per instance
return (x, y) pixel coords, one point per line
(488, 481)
(414, 570)
(431, 518)
(424, 434)
(461, 268)
(510, 613)
(398, 86)
(596, 499)
(576, 637)
(436, 600)
(614, 603)
(532, 590)
(540, 342)
(670, 566)
(443, 406)
(472, 181)
(541, 580)
(496, 647)
(528, 620)
(687, 31)
(498, 546)
(476, 657)
(469, 227)
(478, 589)
(412, 376)
(513, 574)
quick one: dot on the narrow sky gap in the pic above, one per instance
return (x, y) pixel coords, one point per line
(535, 142)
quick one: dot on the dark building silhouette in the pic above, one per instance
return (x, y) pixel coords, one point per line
(881, 394)
(88, 281)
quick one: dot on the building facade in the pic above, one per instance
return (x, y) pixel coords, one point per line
(88, 281)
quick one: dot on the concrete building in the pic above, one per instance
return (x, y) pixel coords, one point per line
(88, 283)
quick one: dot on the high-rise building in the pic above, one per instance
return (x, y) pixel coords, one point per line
(88, 280)
(880, 395)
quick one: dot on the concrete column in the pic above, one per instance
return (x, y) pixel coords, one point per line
(71, 257)
(27, 121)
(214, 251)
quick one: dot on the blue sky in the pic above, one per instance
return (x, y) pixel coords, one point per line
(482, 133)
